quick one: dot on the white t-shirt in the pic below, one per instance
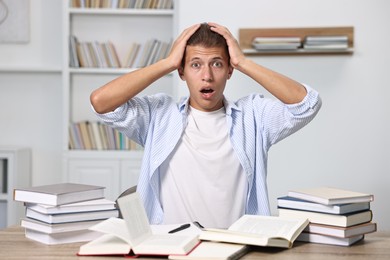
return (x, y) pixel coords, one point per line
(203, 180)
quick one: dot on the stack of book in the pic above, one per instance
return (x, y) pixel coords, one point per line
(276, 43)
(326, 42)
(337, 216)
(62, 213)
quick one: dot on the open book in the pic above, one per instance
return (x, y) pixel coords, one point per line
(133, 234)
(259, 231)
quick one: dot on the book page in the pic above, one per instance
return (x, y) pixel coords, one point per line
(266, 226)
(113, 226)
(135, 217)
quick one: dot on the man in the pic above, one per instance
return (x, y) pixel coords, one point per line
(205, 157)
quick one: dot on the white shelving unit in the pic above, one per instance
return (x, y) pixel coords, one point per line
(15, 172)
(116, 170)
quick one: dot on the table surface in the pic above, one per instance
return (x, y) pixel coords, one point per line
(14, 245)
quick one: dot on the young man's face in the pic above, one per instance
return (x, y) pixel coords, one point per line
(206, 70)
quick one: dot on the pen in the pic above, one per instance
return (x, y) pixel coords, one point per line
(184, 226)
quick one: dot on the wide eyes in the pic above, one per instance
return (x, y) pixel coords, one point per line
(216, 64)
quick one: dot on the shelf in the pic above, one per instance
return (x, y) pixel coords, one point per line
(117, 11)
(299, 51)
(104, 154)
(100, 70)
(32, 69)
(106, 71)
(246, 36)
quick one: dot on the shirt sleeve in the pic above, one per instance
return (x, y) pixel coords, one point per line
(279, 120)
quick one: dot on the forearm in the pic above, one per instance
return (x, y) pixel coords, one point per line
(118, 91)
(285, 89)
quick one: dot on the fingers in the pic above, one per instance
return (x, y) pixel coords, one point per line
(178, 48)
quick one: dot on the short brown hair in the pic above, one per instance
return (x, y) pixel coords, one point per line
(205, 37)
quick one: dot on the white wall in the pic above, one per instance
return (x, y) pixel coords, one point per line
(345, 146)
(30, 103)
(347, 143)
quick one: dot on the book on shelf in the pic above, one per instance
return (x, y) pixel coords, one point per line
(89, 205)
(98, 136)
(330, 196)
(343, 232)
(258, 230)
(326, 42)
(71, 217)
(47, 228)
(3, 175)
(329, 240)
(208, 250)
(58, 194)
(294, 203)
(63, 237)
(276, 43)
(132, 55)
(342, 220)
(104, 54)
(123, 4)
(134, 234)
(326, 39)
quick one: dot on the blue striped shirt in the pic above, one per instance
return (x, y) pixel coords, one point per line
(255, 123)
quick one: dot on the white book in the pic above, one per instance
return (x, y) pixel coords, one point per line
(89, 205)
(59, 194)
(135, 233)
(329, 240)
(71, 217)
(259, 231)
(208, 250)
(294, 203)
(61, 238)
(335, 231)
(56, 228)
(330, 195)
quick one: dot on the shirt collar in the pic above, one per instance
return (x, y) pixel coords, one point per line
(229, 105)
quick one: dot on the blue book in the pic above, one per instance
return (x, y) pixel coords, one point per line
(294, 203)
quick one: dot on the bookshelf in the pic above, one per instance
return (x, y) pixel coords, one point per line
(116, 169)
(246, 35)
(15, 171)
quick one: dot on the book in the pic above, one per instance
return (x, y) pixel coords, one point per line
(276, 43)
(134, 234)
(43, 227)
(257, 230)
(71, 217)
(344, 220)
(335, 231)
(330, 196)
(208, 250)
(89, 205)
(329, 240)
(63, 237)
(59, 194)
(294, 203)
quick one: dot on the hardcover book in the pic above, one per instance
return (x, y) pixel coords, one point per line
(71, 217)
(345, 220)
(294, 203)
(330, 196)
(90, 205)
(335, 231)
(329, 240)
(259, 231)
(133, 234)
(59, 194)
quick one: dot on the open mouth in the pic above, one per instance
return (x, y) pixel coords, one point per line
(206, 90)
